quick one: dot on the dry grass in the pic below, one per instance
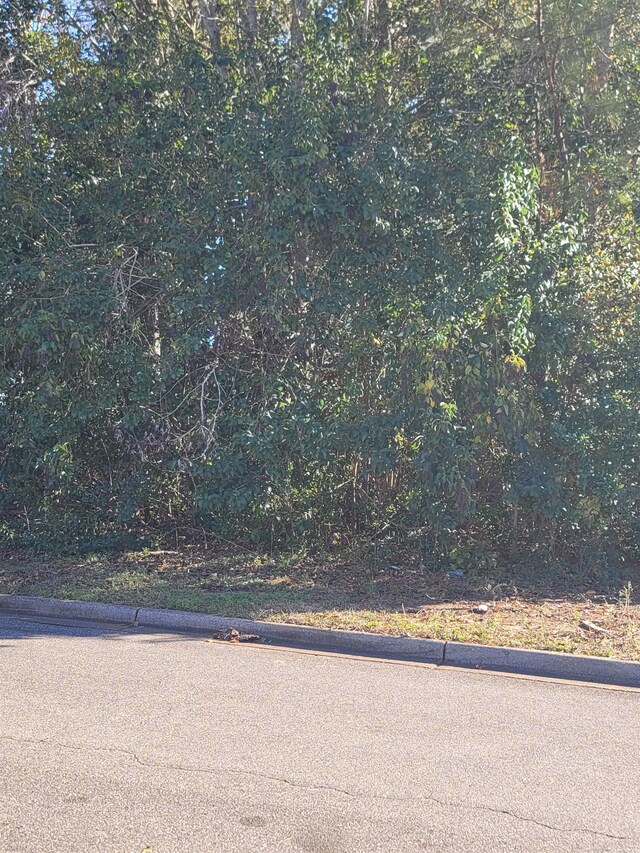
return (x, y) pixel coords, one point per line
(540, 612)
(550, 625)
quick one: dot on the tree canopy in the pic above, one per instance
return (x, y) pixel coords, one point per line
(308, 271)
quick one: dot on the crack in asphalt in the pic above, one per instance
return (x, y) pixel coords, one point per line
(311, 786)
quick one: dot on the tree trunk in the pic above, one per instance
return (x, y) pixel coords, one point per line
(383, 30)
(210, 14)
(299, 14)
(250, 18)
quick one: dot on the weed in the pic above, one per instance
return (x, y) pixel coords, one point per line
(625, 596)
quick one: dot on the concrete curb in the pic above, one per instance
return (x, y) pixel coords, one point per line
(343, 642)
(547, 664)
(59, 609)
(463, 655)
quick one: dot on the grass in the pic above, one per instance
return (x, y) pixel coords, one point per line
(525, 610)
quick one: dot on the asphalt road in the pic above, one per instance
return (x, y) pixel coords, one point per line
(114, 740)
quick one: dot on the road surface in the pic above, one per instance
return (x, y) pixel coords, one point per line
(118, 741)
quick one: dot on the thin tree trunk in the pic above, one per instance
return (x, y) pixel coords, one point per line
(603, 57)
(551, 85)
(299, 14)
(250, 18)
(367, 13)
(383, 29)
(210, 14)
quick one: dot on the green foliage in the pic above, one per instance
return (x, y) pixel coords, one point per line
(318, 272)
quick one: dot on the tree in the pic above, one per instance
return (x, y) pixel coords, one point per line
(291, 271)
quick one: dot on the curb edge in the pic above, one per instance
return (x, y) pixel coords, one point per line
(449, 653)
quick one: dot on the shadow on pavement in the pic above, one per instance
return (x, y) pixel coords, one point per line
(21, 627)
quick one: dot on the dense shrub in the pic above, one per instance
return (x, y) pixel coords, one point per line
(296, 273)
